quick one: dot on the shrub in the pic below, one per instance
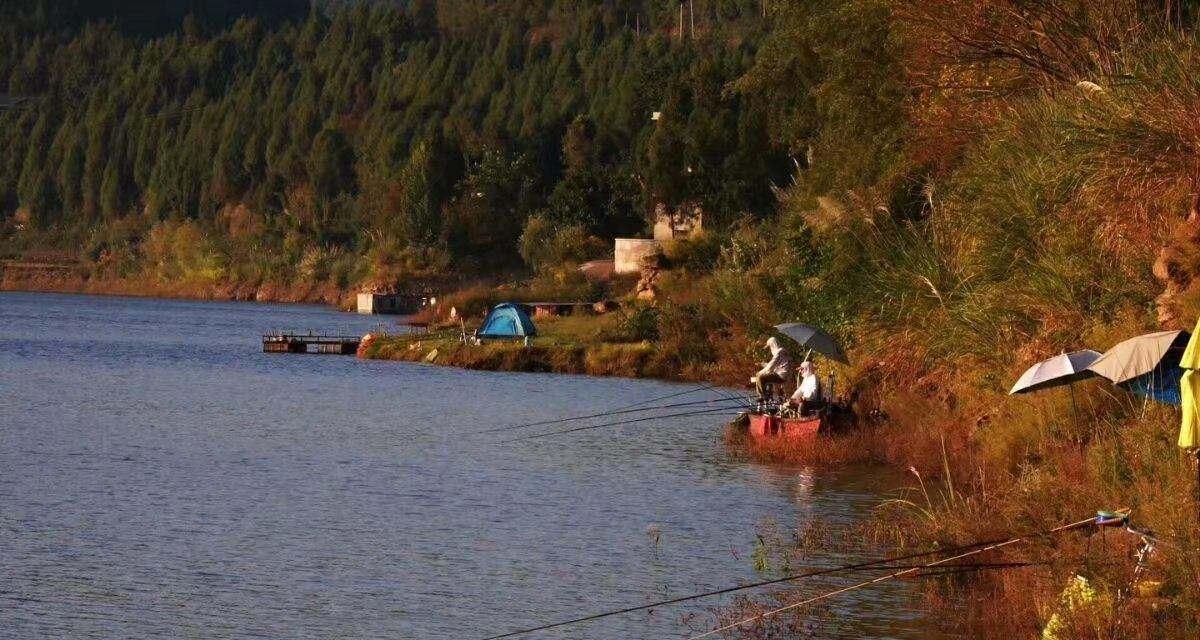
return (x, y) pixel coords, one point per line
(561, 283)
(640, 323)
(684, 337)
(181, 251)
(698, 254)
(390, 261)
(544, 244)
(471, 302)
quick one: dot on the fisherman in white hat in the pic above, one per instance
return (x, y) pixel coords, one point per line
(808, 389)
(777, 371)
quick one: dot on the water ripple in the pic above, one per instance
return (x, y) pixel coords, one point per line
(160, 477)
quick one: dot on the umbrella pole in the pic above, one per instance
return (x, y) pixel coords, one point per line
(1075, 417)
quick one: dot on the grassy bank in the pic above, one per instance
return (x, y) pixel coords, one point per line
(1015, 181)
(585, 345)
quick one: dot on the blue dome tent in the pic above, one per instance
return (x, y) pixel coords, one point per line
(506, 322)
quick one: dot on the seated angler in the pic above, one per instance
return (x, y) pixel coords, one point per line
(777, 371)
(808, 396)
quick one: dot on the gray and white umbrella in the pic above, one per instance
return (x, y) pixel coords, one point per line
(1065, 369)
(1142, 355)
(815, 339)
(1060, 370)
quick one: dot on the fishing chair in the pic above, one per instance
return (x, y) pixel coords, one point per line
(774, 395)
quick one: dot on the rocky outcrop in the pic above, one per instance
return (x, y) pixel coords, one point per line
(651, 273)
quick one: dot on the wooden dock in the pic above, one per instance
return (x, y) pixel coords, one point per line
(285, 342)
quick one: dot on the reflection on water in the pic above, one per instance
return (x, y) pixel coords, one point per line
(160, 476)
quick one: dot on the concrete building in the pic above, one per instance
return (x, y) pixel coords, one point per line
(684, 222)
(393, 303)
(628, 254)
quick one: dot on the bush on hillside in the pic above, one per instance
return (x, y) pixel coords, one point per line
(698, 254)
(546, 245)
(638, 323)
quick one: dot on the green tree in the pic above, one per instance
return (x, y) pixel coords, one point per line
(493, 201)
(331, 164)
(421, 189)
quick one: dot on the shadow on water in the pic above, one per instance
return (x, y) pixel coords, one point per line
(160, 476)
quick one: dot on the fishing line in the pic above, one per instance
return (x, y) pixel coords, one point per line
(605, 414)
(743, 400)
(890, 576)
(622, 423)
(955, 569)
(878, 564)
(667, 397)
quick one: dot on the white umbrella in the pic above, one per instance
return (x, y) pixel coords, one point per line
(1060, 370)
(1065, 369)
(1138, 356)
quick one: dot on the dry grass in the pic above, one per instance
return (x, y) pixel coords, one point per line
(986, 466)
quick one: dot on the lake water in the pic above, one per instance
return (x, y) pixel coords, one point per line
(161, 477)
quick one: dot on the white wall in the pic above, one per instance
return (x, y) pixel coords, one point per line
(628, 254)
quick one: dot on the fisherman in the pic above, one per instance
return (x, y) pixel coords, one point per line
(808, 389)
(777, 371)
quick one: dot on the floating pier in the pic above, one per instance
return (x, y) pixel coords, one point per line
(285, 342)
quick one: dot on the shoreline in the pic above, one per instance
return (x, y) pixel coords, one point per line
(225, 292)
(865, 444)
(639, 360)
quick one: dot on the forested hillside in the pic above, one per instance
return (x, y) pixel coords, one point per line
(370, 142)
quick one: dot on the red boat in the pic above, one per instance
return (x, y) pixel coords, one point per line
(764, 427)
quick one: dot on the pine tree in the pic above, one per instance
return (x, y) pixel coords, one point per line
(331, 164)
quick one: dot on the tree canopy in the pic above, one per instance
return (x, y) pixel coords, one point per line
(365, 124)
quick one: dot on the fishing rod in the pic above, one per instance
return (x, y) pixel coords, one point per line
(955, 569)
(605, 414)
(613, 411)
(622, 423)
(899, 574)
(880, 564)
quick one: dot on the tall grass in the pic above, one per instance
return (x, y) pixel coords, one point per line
(1030, 227)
